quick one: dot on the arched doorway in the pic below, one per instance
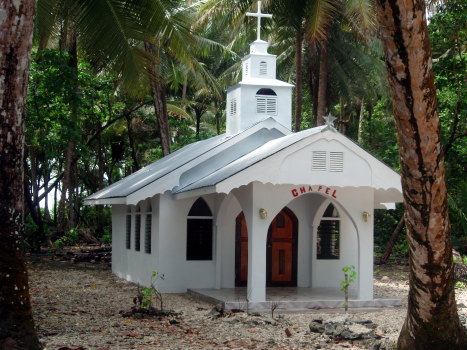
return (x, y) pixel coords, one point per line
(281, 254)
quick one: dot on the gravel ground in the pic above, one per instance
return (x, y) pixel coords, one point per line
(79, 306)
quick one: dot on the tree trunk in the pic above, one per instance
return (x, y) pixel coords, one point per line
(66, 206)
(16, 322)
(160, 101)
(432, 321)
(392, 241)
(360, 122)
(323, 83)
(298, 80)
(131, 140)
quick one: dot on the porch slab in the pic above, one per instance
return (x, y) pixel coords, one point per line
(288, 299)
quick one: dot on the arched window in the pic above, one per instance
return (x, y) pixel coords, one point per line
(266, 102)
(199, 232)
(148, 228)
(263, 68)
(128, 228)
(327, 245)
(138, 228)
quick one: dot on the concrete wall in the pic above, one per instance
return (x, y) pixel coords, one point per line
(180, 273)
(132, 265)
(168, 255)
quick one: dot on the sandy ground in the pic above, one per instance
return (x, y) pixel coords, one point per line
(81, 304)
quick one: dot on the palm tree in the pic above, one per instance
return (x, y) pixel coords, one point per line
(16, 322)
(432, 321)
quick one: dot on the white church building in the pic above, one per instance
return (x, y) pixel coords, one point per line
(256, 209)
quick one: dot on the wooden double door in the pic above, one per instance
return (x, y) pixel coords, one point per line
(281, 254)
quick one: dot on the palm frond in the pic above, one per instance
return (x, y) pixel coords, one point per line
(319, 16)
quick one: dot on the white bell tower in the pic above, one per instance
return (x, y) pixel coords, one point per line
(259, 95)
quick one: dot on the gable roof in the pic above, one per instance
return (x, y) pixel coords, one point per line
(194, 160)
(223, 163)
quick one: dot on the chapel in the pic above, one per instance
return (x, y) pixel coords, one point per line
(256, 209)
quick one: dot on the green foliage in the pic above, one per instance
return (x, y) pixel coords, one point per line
(350, 275)
(448, 35)
(70, 238)
(146, 295)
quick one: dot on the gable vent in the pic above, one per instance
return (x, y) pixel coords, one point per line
(271, 104)
(233, 107)
(266, 105)
(263, 68)
(336, 161)
(318, 162)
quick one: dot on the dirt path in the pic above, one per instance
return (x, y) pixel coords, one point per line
(80, 305)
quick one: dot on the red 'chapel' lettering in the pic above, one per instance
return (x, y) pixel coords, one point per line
(301, 190)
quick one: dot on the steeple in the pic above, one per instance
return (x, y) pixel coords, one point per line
(259, 95)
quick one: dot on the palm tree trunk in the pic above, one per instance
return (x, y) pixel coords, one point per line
(360, 122)
(432, 321)
(160, 102)
(323, 83)
(131, 140)
(16, 322)
(298, 79)
(66, 206)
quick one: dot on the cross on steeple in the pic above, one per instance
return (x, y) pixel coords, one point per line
(259, 15)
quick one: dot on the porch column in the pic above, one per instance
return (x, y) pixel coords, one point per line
(251, 199)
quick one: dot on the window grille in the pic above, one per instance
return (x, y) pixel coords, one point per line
(266, 105)
(319, 161)
(138, 232)
(336, 161)
(199, 232)
(328, 235)
(128, 231)
(233, 107)
(263, 68)
(147, 233)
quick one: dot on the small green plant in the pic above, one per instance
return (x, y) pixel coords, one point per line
(461, 285)
(146, 295)
(349, 276)
(69, 238)
(107, 238)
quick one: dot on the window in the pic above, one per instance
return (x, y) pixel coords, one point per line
(148, 229)
(263, 68)
(247, 69)
(128, 229)
(233, 106)
(266, 102)
(327, 245)
(336, 161)
(318, 162)
(199, 232)
(138, 229)
(321, 162)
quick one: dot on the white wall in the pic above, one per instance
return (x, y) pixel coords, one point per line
(132, 265)
(179, 272)
(169, 239)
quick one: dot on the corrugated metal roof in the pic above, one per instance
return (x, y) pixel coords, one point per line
(249, 159)
(184, 167)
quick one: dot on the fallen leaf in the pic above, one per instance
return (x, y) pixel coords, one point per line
(288, 333)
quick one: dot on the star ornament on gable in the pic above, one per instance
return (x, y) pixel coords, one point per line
(329, 120)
